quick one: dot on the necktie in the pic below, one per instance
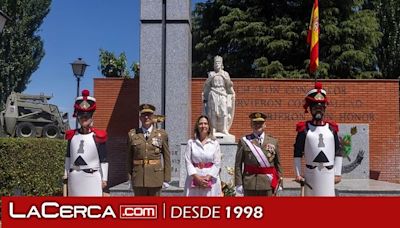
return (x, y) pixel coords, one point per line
(146, 135)
(260, 140)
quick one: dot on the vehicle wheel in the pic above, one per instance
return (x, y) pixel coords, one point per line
(25, 130)
(51, 131)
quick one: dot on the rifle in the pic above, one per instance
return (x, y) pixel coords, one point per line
(65, 187)
(303, 183)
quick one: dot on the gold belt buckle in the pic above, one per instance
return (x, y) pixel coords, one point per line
(146, 161)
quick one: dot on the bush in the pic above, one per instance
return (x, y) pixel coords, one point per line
(31, 167)
(113, 66)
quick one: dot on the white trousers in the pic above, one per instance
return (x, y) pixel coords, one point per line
(84, 184)
(322, 180)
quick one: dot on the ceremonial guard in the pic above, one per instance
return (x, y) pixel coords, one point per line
(318, 142)
(257, 166)
(86, 166)
(149, 164)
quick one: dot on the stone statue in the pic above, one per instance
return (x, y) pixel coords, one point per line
(219, 101)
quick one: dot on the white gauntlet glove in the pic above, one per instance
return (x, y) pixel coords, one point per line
(239, 190)
(165, 185)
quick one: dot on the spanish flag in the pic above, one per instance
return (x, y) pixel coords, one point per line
(313, 37)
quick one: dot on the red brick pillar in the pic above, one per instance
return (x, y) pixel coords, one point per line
(117, 113)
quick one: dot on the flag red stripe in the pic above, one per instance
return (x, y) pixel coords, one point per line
(313, 38)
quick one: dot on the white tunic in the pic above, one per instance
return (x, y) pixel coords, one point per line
(319, 151)
(196, 152)
(81, 183)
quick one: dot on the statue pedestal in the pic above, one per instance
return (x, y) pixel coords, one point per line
(224, 138)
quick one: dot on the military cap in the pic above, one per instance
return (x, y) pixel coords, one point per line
(146, 108)
(258, 117)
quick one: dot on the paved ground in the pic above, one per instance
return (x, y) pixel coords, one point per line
(348, 187)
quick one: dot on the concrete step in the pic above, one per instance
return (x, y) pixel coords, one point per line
(348, 187)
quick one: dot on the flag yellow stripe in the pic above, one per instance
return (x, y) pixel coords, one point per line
(314, 28)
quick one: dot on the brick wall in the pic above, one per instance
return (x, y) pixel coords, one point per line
(375, 102)
(117, 108)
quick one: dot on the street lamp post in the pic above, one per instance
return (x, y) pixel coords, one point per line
(78, 68)
(3, 19)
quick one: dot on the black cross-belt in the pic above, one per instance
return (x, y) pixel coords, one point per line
(84, 170)
(313, 167)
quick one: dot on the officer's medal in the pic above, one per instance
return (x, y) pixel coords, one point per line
(156, 141)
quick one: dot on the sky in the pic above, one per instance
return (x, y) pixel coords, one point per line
(78, 29)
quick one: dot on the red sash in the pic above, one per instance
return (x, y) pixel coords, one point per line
(202, 165)
(251, 169)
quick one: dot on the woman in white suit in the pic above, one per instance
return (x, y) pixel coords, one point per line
(203, 162)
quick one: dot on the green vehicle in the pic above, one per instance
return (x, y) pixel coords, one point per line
(32, 116)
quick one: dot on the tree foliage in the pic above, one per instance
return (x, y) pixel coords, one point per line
(268, 38)
(21, 48)
(113, 66)
(388, 12)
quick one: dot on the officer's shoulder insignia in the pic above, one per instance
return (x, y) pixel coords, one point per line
(132, 132)
(160, 132)
(271, 137)
(250, 136)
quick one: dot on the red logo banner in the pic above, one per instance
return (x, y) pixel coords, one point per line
(193, 212)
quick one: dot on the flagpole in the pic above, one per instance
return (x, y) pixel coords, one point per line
(313, 75)
(316, 76)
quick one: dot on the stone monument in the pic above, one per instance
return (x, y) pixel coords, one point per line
(219, 101)
(354, 143)
(165, 67)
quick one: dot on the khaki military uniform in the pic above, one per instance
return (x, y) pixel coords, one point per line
(255, 184)
(145, 168)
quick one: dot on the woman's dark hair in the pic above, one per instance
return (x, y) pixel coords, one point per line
(196, 126)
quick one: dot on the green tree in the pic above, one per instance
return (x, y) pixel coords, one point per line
(268, 38)
(21, 48)
(113, 66)
(388, 12)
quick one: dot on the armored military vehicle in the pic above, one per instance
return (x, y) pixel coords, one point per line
(32, 116)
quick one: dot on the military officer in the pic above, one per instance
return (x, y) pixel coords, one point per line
(257, 166)
(146, 145)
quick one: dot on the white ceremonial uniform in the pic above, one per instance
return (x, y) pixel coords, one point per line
(196, 153)
(320, 146)
(80, 183)
(319, 154)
